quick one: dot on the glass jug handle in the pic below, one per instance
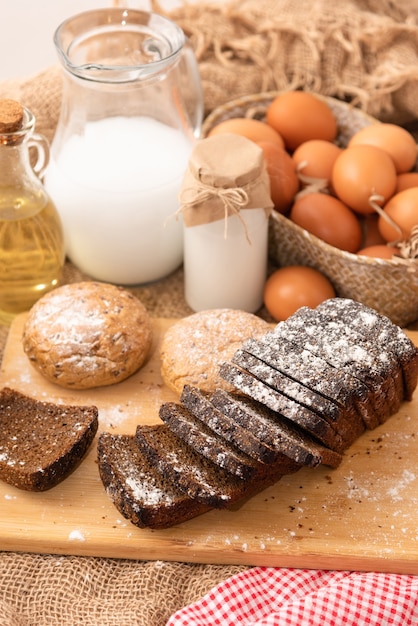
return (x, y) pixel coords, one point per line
(41, 146)
(194, 97)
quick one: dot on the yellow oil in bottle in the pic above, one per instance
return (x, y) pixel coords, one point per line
(31, 249)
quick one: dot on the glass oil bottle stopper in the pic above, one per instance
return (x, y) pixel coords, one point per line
(31, 237)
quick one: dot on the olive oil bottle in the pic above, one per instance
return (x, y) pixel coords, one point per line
(31, 237)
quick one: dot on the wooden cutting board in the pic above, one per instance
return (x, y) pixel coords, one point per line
(361, 516)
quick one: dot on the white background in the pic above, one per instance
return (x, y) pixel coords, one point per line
(28, 26)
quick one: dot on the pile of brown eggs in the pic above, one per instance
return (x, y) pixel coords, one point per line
(361, 198)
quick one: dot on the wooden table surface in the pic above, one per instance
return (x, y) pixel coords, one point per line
(361, 516)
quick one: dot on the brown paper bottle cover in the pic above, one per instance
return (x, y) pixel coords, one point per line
(226, 173)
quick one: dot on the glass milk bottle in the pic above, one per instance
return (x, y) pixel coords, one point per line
(31, 237)
(131, 111)
(225, 202)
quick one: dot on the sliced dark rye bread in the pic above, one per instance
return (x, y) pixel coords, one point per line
(183, 424)
(290, 354)
(351, 350)
(314, 373)
(287, 441)
(267, 426)
(293, 359)
(380, 330)
(198, 402)
(343, 348)
(41, 443)
(382, 363)
(191, 472)
(212, 446)
(137, 489)
(348, 424)
(285, 407)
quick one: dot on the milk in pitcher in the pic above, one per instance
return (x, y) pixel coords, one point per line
(115, 184)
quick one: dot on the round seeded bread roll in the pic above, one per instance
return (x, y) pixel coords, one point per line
(87, 334)
(194, 347)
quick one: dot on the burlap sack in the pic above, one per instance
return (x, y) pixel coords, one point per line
(356, 50)
(365, 50)
(54, 590)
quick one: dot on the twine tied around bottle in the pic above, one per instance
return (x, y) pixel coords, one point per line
(233, 200)
(226, 176)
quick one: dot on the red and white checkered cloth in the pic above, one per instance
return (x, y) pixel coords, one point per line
(265, 596)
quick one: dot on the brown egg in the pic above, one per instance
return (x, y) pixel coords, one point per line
(406, 180)
(249, 128)
(284, 182)
(361, 174)
(300, 116)
(377, 252)
(315, 159)
(292, 287)
(329, 219)
(371, 232)
(395, 140)
(402, 209)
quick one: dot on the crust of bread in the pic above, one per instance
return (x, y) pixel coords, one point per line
(138, 491)
(193, 348)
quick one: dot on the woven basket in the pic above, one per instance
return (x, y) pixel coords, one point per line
(390, 287)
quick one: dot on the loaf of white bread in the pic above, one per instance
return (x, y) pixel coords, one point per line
(304, 392)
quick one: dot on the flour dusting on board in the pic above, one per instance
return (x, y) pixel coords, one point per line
(395, 492)
(76, 535)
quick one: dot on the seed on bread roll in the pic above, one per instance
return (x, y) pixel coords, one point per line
(87, 334)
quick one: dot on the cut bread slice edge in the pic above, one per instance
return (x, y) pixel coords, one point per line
(137, 489)
(202, 439)
(272, 432)
(292, 411)
(380, 330)
(192, 473)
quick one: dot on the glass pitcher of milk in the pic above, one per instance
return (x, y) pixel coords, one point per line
(131, 111)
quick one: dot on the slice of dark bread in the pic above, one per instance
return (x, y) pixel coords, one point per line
(272, 430)
(191, 472)
(289, 354)
(377, 360)
(344, 348)
(41, 443)
(285, 407)
(137, 489)
(314, 373)
(199, 403)
(348, 424)
(196, 434)
(289, 445)
(379, 330)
